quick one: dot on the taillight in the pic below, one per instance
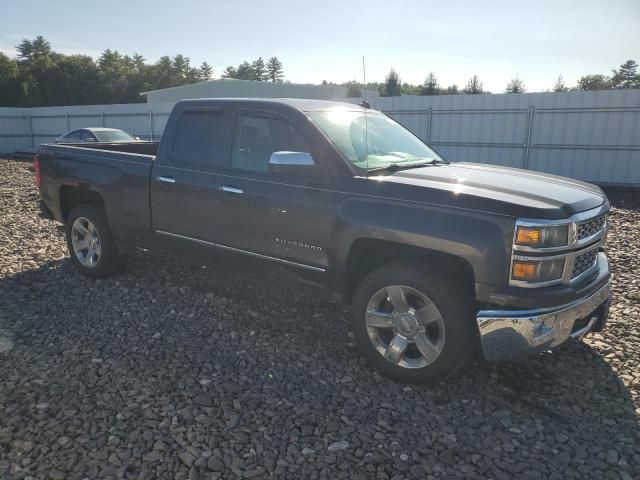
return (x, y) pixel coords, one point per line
(36, 170)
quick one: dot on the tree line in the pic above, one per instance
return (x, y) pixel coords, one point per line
(626, 76)
(43, 77)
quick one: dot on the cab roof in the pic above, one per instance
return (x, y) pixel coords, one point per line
(303, 104)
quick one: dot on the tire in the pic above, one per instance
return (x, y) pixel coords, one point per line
(85, 224)
(393, 339)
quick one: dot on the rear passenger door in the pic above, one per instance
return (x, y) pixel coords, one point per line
(185, 191)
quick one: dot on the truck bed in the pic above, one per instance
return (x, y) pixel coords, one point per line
(118, 172)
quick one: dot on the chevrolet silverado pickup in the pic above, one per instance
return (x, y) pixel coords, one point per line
(436, 259)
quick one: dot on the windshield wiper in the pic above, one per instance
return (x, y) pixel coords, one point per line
(394, 167)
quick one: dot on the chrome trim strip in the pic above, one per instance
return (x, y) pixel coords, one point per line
(238, 250)
(571, 221)
(569, 252)
(234, 190)
(567, 270)
(160, 178)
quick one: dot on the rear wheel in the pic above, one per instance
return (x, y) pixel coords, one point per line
(410, 325)
(92, 246)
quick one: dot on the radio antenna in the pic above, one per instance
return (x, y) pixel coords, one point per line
(365, 105)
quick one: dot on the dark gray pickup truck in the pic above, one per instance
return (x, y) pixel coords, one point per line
(436, 259)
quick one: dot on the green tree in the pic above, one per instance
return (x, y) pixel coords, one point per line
(474, 86)
(594, 82)
(10, 92)
(560, 86)
(626, 76)
(138, 62)
(230, 72)
(245, 71)
(275, 72)
(259, 69)
(162, 73)
(114, 71)
(41, 76)
(34, 49)
(515, 85)
(180, 69)
(430, 85)
(206, 71)
(392, 84)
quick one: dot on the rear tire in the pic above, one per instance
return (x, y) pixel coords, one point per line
(92, 246)
(411, 325)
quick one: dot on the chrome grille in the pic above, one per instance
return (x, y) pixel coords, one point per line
(590, 227)
(584, 262)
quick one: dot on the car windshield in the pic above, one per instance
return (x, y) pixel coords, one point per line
(382, 144)
(114, 136)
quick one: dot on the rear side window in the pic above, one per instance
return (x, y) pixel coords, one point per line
(75, 135)
(198, 139)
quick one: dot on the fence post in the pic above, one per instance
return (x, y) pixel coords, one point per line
(429, 120)
(527, 141)
(66, 117)
(33, 143)
(151, 124)
(104, 124)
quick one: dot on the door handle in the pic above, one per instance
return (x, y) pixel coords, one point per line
(234, 190)
(166, 179)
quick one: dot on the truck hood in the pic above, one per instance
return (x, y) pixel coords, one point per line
(509, 191)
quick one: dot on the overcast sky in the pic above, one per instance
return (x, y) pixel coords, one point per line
(325, 40)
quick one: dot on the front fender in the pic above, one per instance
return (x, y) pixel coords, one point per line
(483, 240)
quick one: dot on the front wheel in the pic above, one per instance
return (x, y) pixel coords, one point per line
(410, 325)
(92, 247)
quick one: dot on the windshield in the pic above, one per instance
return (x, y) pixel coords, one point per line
(114, 136)
(387, 142)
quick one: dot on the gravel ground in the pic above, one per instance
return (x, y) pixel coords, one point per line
(175, 370)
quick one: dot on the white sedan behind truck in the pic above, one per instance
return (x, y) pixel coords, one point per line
(95, 134)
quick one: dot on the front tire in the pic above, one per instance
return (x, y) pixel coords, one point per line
(410, 325)
(92, 246)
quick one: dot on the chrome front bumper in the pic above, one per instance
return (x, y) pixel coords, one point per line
(506, 335)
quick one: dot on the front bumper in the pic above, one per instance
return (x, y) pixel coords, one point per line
(511, 334)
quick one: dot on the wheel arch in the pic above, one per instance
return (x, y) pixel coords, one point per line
(368, 254)
(72, 196)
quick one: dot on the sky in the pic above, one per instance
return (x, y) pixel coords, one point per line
(326, 40)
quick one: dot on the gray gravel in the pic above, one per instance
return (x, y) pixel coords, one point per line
(175, 370)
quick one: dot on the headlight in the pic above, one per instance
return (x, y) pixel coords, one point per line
(537, 271)
(543, 237)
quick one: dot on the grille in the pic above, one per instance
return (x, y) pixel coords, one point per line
(590, 227)
(584, 261)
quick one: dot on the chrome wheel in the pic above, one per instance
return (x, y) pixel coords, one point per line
(405, 326)
(85, 242)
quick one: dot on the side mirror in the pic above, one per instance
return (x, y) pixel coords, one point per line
(90, 139)
(137, 139)
(293, 163)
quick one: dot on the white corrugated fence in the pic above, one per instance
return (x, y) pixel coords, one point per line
(593, 136)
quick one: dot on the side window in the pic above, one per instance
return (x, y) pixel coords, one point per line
(197, 140)
(256, 138)
(86, 135)
(75, 135)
